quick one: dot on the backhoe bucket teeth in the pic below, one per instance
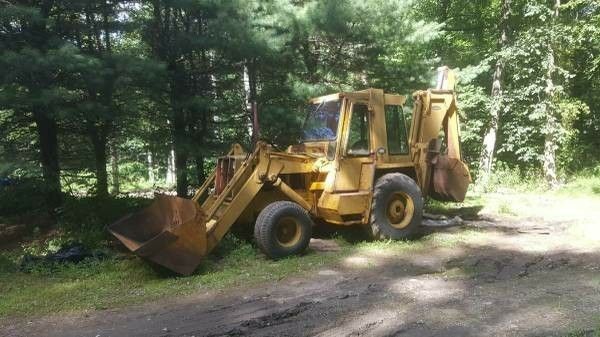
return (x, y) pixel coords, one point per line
(170, 232)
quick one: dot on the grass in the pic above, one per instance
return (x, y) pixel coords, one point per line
(504, 208)
(469, 208)
(583, 185)
(119, 281)
(585, 333)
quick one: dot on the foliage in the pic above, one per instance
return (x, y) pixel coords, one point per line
(84, 219)
(125, 95)
(88, 84)
(21, 196)
(506, 177)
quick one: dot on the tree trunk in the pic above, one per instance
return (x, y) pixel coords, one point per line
(551, 124)
(181, 157)
(150, 162)
(170, 179)
(47, 130)
(180, 138)
(99, 144)
(489, 140)
(250, 86)
(114, 169)
(46, 124)
(200, 169)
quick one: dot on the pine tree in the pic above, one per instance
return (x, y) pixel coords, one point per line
(32, 59)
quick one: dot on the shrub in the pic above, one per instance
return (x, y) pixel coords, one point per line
(21, 196)
(509, 177)
(84, 219)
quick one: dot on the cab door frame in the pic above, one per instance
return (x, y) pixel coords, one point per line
(354, 173)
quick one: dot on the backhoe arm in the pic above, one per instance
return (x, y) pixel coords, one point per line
(435, 142)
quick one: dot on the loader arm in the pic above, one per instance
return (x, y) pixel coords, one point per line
(224, 207)
(176, 232)
(243, 187)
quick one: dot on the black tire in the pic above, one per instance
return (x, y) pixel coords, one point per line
(283, 228)
(397, 207)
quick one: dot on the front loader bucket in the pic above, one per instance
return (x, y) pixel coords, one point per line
(170, 232)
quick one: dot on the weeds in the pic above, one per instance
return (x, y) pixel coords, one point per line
(24, 195)
(586, 184)
(505, 177)
(585, 333)
(504, 208)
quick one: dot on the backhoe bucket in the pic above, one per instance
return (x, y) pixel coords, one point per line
(170, 232)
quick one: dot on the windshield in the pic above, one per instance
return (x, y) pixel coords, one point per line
(321, 121)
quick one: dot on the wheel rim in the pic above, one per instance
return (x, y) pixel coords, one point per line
(400, 210)
(288, 232)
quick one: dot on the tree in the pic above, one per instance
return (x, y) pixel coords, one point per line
(489, 140)
(33, 60)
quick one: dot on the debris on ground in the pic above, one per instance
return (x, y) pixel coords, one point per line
(432, 216)
(535, 230)
(436, 220)
(72, 253)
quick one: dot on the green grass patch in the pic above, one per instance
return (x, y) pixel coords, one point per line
(595, 332)
(121, 281)
(468, 209)
(583, 185)
(434, 240)
(505, 177)
(505, 208)
(118, 282)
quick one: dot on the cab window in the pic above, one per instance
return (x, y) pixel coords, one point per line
(395, 125)
(358, 134)
(321, 121)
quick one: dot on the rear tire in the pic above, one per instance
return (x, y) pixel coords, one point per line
(397, 207)
(283, 228)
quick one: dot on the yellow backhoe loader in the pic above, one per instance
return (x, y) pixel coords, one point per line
(358, 164)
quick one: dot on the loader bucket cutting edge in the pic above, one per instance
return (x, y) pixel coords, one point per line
(170, 232)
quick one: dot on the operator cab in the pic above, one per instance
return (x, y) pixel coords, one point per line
(353, 122)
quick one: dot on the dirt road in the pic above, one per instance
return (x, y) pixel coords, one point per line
(493, 276)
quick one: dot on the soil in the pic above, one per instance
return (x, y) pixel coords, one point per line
(532, 275)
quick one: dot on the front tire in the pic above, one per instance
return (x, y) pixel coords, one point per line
(397, 207)
(283, 228)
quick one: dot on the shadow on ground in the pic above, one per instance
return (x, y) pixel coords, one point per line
(491, 287)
